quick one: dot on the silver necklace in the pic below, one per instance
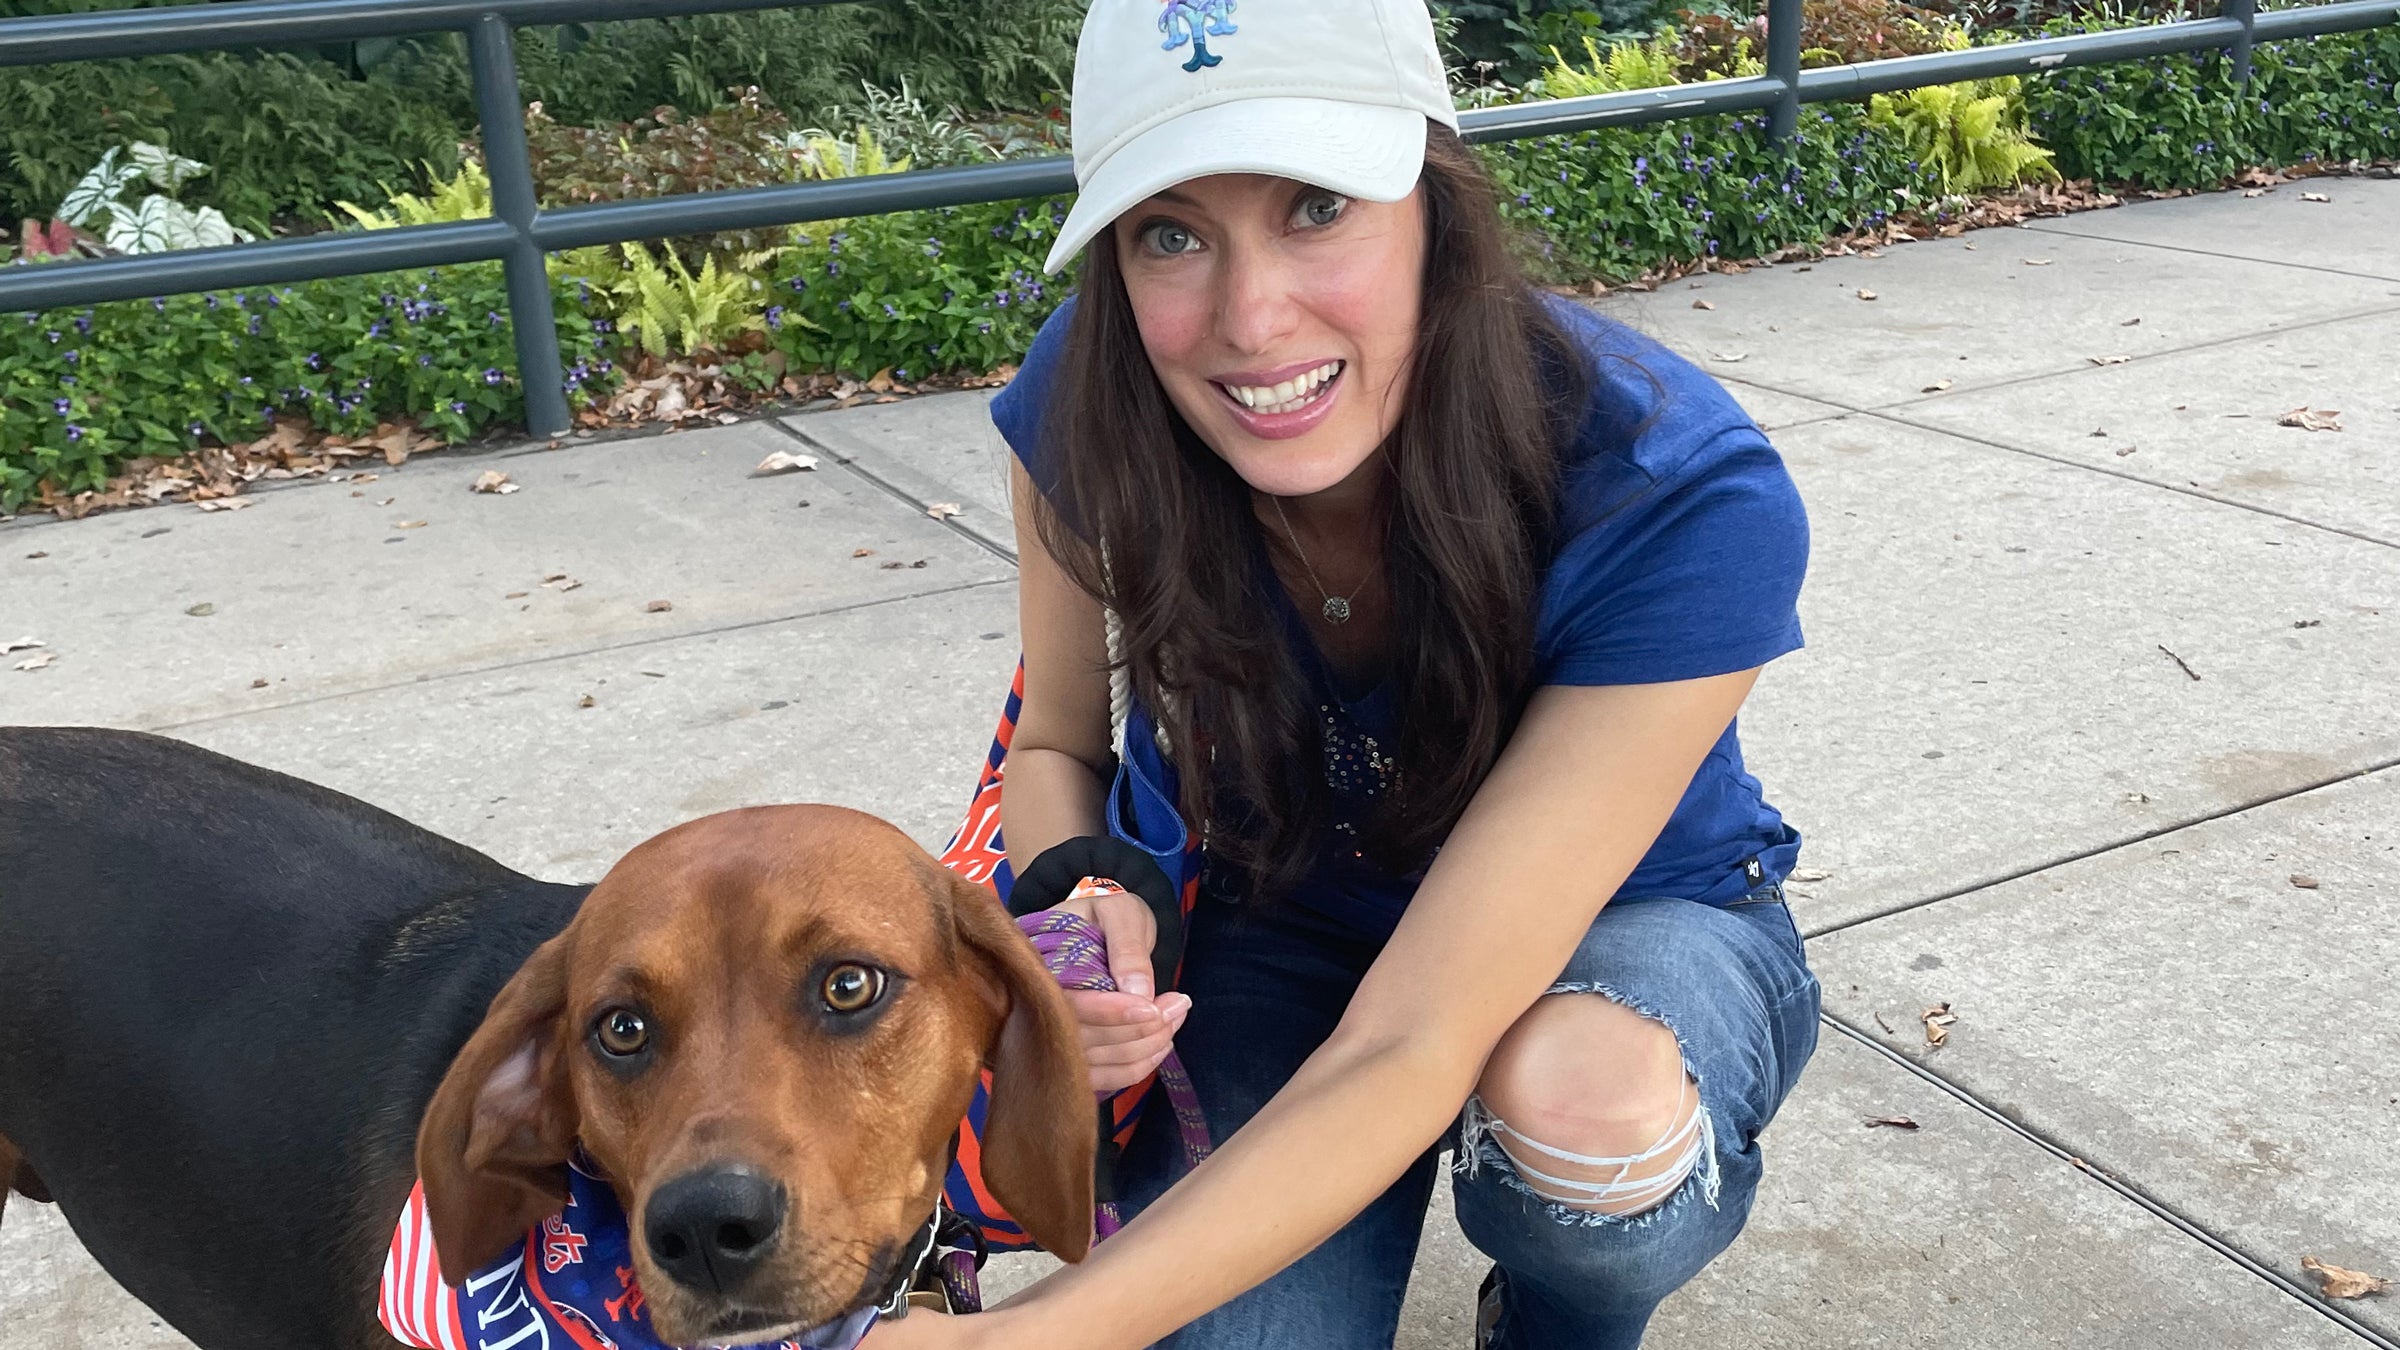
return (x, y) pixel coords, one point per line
(1337, 607)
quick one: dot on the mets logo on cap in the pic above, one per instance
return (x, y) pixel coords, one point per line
(1195, 22)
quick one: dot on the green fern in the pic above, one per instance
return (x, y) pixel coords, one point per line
(1969, 137)
(466, 195)
(673, 312)
(1627, 65)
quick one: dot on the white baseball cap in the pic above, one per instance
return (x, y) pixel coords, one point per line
(1329, 92)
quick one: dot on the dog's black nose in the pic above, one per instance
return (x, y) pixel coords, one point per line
(710, 1229)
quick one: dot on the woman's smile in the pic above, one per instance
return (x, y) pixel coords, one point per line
(1279, 409)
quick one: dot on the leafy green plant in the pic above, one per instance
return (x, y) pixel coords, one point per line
(83, 391)
(672, 312)
(1968, 137)
(955, 288)
(2183, 121)
(1614, 203)
(286, 134)
(465, 195)
(158, 222)
(1625, 65)
(900, 124)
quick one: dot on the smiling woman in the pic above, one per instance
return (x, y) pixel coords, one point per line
(1441, 594)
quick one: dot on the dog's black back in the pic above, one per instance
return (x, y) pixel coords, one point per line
(225, 998)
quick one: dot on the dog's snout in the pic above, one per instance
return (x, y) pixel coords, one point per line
(710, 1229)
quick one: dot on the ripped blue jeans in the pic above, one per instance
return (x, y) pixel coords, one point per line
(1267, 988)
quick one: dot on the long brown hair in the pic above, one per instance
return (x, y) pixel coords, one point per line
(1495, 392)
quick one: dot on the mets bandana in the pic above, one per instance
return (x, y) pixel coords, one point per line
(568, 1285)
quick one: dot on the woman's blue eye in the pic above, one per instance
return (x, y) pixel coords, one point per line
(1323, 208)
(1164, 231)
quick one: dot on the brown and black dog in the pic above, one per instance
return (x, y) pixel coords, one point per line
(240, 1014)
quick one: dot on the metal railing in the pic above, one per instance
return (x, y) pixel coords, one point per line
(520, 233)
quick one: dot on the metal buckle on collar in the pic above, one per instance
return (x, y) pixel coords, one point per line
(898, 1301)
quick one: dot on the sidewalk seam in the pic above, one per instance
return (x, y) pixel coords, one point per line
(851, 463)
(2036, 227)
(2035, 869)
(548, 658)
(2158, 1208)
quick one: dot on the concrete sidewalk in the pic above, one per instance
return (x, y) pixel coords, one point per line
(2100, 658)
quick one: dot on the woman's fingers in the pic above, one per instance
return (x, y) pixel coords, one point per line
(1130, 931)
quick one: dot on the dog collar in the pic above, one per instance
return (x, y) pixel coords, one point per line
(569, 1284)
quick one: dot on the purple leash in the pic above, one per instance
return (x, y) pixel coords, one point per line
(1076, 954)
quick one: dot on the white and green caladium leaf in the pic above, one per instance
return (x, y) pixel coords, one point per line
(163, 166)
(96, 194)
(211, 229)
(154, 228)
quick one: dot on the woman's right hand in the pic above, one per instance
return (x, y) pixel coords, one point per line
(1127, 1032)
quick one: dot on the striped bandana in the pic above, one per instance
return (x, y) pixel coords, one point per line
(568, 1285)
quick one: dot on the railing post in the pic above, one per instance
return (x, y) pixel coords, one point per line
(491, 48)
(1783, 63)
(2246, 13)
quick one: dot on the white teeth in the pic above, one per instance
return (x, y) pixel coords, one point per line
(1288, 396)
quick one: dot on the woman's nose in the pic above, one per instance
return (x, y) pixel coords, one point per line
(1257, 300)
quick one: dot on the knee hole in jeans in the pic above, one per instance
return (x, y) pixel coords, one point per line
(1586, 1171)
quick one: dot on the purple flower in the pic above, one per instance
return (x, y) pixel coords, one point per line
(73, 357)
(493, 316)
(833, 269)
(159, 303)
(844, 307)
(889, 312)
(83, 323)
(60, 405)
(491, 375)
(774, 317)
(212, 301)
(458, 407)
(378, 328)
(74, 432)
(424, 359)
(54, 335)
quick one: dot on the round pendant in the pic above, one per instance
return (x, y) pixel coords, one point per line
(1337, 609)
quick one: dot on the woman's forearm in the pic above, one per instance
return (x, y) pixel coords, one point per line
(1051, 797)
(1346, 1126)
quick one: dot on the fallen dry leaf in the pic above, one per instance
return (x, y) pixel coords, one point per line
(942, 510)
(201, 610)
(2304, 881)
(2037, 262)
(23, 644)
(409, 524)
(658, 607)
(37, 553)
(783, 461)
(2130, 323)
(2254, 192)
(1728, 357)
(1937, 1021)
(1865, 294)
(862, 553)
(1895, 1122)
(894, 566)
(516, 595)
(1809, 874)
(2311, 419)
(364, 477)
(37, 661)
(1702, 304)
(586, 701)
(1936, 387)
(258, 683)
(492, 481)
(2127, 451)
(2108, 360)
(223, 504)
(387, 501)
(2314, 197)
(2336, 1282)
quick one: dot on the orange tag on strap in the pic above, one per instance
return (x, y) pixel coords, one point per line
(1094, 886)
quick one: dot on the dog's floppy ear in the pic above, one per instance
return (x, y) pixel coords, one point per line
(1039, 1135)
(496, 1136)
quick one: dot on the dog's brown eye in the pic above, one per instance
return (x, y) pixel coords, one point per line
(622, 1032)
(849, 988)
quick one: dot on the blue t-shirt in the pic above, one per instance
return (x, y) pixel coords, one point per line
(1680, 551)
